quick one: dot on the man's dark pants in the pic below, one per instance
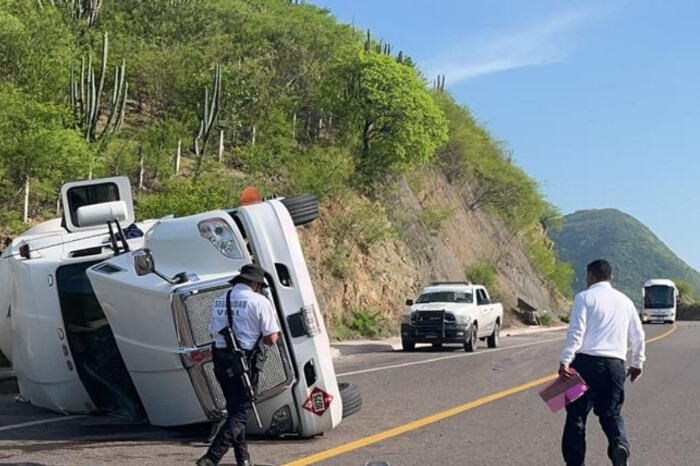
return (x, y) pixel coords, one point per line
(239, 407)
(606, 379)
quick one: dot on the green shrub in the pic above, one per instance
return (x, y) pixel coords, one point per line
(482, 273)
(435, 218)
(369, 324)
(321, 171)
(337, 262)
(566, 318)
(363, 224)
(546, 319)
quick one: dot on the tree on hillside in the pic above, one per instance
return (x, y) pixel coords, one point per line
(386, 105)
(685, 291)
(36, 148)
(36, 49)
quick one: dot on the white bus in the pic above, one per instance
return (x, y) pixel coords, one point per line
(659, 298)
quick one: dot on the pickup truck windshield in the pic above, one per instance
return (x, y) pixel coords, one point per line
(445, 297)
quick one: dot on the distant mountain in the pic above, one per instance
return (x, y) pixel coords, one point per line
(636, 254)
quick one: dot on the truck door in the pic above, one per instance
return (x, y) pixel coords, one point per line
(485, 311)
(92, 344)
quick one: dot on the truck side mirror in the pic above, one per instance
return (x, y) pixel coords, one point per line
(409, 302)
(99, 214)
(143, 262)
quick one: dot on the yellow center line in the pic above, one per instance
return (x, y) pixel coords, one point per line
(417, 424)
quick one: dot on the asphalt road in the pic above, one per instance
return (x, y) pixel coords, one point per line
(427, 407)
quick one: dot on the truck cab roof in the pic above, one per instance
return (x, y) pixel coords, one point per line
(450, 286)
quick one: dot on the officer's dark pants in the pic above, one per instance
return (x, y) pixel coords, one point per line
(239, 407)
(606, 379)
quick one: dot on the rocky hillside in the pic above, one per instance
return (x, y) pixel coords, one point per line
(194, 100)
(634, 251)
(377, 278)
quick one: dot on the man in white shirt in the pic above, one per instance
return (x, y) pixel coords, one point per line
(603, 322)
(252, 319)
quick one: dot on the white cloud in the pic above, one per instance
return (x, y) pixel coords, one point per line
(543, 43)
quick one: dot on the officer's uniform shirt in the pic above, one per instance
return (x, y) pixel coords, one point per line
(252, 315)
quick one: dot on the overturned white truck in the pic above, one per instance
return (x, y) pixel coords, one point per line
(96, 318)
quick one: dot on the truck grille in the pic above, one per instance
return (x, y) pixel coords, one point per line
(198, 312)
(193, 312)
(217, 394)
(426, 319)
(274, 374)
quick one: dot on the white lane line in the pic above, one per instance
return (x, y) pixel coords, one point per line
(40, 422)
(443, 358)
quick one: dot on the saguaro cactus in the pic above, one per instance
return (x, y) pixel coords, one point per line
(439, 83)
(86, 93)
(87, 10)
(208, 114)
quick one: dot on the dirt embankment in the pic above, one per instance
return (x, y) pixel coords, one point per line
(434, 236)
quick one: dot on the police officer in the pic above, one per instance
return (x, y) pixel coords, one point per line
(253, 318)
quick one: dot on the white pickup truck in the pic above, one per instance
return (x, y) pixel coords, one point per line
(452, 312)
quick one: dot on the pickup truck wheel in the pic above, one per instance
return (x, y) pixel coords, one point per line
(494, 339)
(303, 208)
(351, 397)
(408, 345)
(471, 345)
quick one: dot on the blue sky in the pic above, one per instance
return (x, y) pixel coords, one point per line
(599, 101)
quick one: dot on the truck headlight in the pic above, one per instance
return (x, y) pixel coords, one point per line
(221, 236)
(281, 422)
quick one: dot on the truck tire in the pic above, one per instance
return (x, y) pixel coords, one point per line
(494, 340)
(408, 345)
(352, 399)
(303, 208)
(473, 343)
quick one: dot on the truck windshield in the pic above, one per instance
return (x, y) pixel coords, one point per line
(659, 297)
(445, 297)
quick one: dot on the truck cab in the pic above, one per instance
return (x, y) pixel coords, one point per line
(452, 312)
(660, 297)
(110, 319)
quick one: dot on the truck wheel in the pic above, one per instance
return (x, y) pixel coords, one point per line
(408, 345)
(494, 339)
(303, 208)
(472, 344)
(352, 399)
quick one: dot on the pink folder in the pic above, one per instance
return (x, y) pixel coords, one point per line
(562, 391)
